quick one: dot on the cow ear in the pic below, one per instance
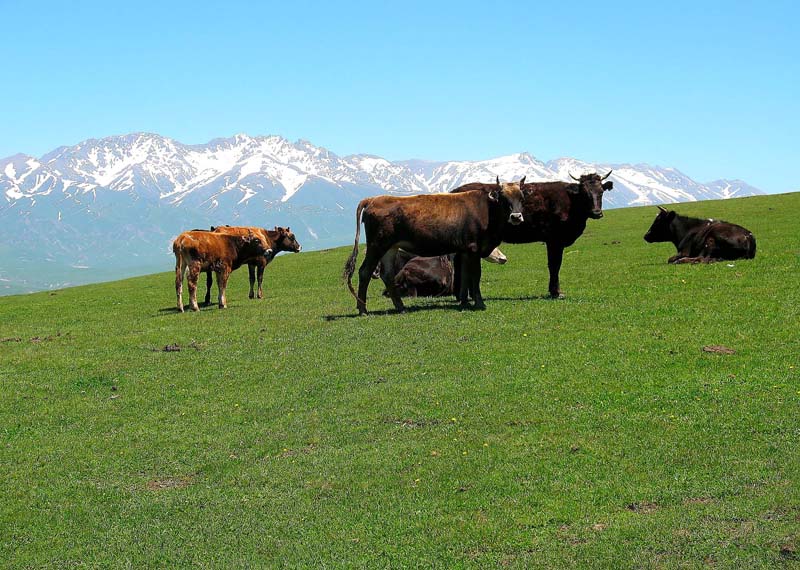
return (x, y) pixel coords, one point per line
(608, 185)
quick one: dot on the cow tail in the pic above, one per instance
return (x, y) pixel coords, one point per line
(350, 266)
(751, 252)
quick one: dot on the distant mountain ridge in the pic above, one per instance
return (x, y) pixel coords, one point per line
(116, 202)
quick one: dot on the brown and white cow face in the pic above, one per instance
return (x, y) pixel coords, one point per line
(593, 186)
(286, 240)
(513, 194)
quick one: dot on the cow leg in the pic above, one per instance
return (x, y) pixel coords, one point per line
(371, 259)
(251, 271)
(463, 280)
(260, 274)
(194, 274)
(387, 264)
(209, 282)
(457, 264)
(180, 268)
(474, 262)
(555, 254)
(222, 284)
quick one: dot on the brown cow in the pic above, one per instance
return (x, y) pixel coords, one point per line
(425, 277)
(430, 225)
(202, 250)
(555, 213)
(278, 239)
(701, 241)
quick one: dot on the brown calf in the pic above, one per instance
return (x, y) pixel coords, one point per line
(278, 239)
(203, 251)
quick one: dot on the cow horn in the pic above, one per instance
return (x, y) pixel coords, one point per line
(661, 208)
(521, 182)
(498, 180)
(607, 175)
(571, 176)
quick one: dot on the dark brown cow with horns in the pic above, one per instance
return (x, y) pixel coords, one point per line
(468, 224)
(555, 213)
(701, 241)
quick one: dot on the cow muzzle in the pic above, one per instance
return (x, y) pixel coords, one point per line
(596, 214)
(515, 219)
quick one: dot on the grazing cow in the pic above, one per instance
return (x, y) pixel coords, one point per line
(279, 239)
(555, 213)
(701, 241)
(431, 225)
(203, 250)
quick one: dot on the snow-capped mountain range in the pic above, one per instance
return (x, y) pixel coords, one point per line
(116, 203)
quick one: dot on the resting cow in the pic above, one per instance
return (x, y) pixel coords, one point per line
(555, 213)
(202, 250)
(431, 225)
(701, 241)
(279, 239)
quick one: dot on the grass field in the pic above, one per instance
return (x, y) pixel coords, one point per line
(590, 432)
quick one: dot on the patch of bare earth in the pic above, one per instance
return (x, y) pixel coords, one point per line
(643, 507)
(168, 483)
(718, 349)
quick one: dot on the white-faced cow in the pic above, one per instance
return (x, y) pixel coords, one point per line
(468, 224)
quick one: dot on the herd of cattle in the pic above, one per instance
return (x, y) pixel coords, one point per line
(432, 245)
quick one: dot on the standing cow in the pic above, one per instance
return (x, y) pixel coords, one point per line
(468, 224)
(556, 214)
(198, 251)
(701, 241)
(278, 239)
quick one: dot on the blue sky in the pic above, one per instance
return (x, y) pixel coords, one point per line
(711, 88)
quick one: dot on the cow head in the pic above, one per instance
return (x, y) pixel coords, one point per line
(592, 186)
(286, 240)
(254, 245)
(511, 194)
(660, 228)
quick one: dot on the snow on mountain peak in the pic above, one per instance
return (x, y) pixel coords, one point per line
(275, 169)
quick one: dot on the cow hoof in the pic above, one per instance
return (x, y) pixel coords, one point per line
(223, 306)
(251, 296)
(481, 307)
(196, 309)
(558, 295)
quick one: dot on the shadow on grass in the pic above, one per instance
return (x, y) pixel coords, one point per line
(173, 310)
(441, 306)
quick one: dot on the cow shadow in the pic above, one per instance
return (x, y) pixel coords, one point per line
(544, 297)
(442, 306)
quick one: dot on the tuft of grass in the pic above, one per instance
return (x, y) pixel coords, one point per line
(589, 432)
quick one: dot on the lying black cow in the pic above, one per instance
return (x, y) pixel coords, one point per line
(701, 241)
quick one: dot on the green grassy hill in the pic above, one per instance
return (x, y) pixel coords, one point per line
(591, 432)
